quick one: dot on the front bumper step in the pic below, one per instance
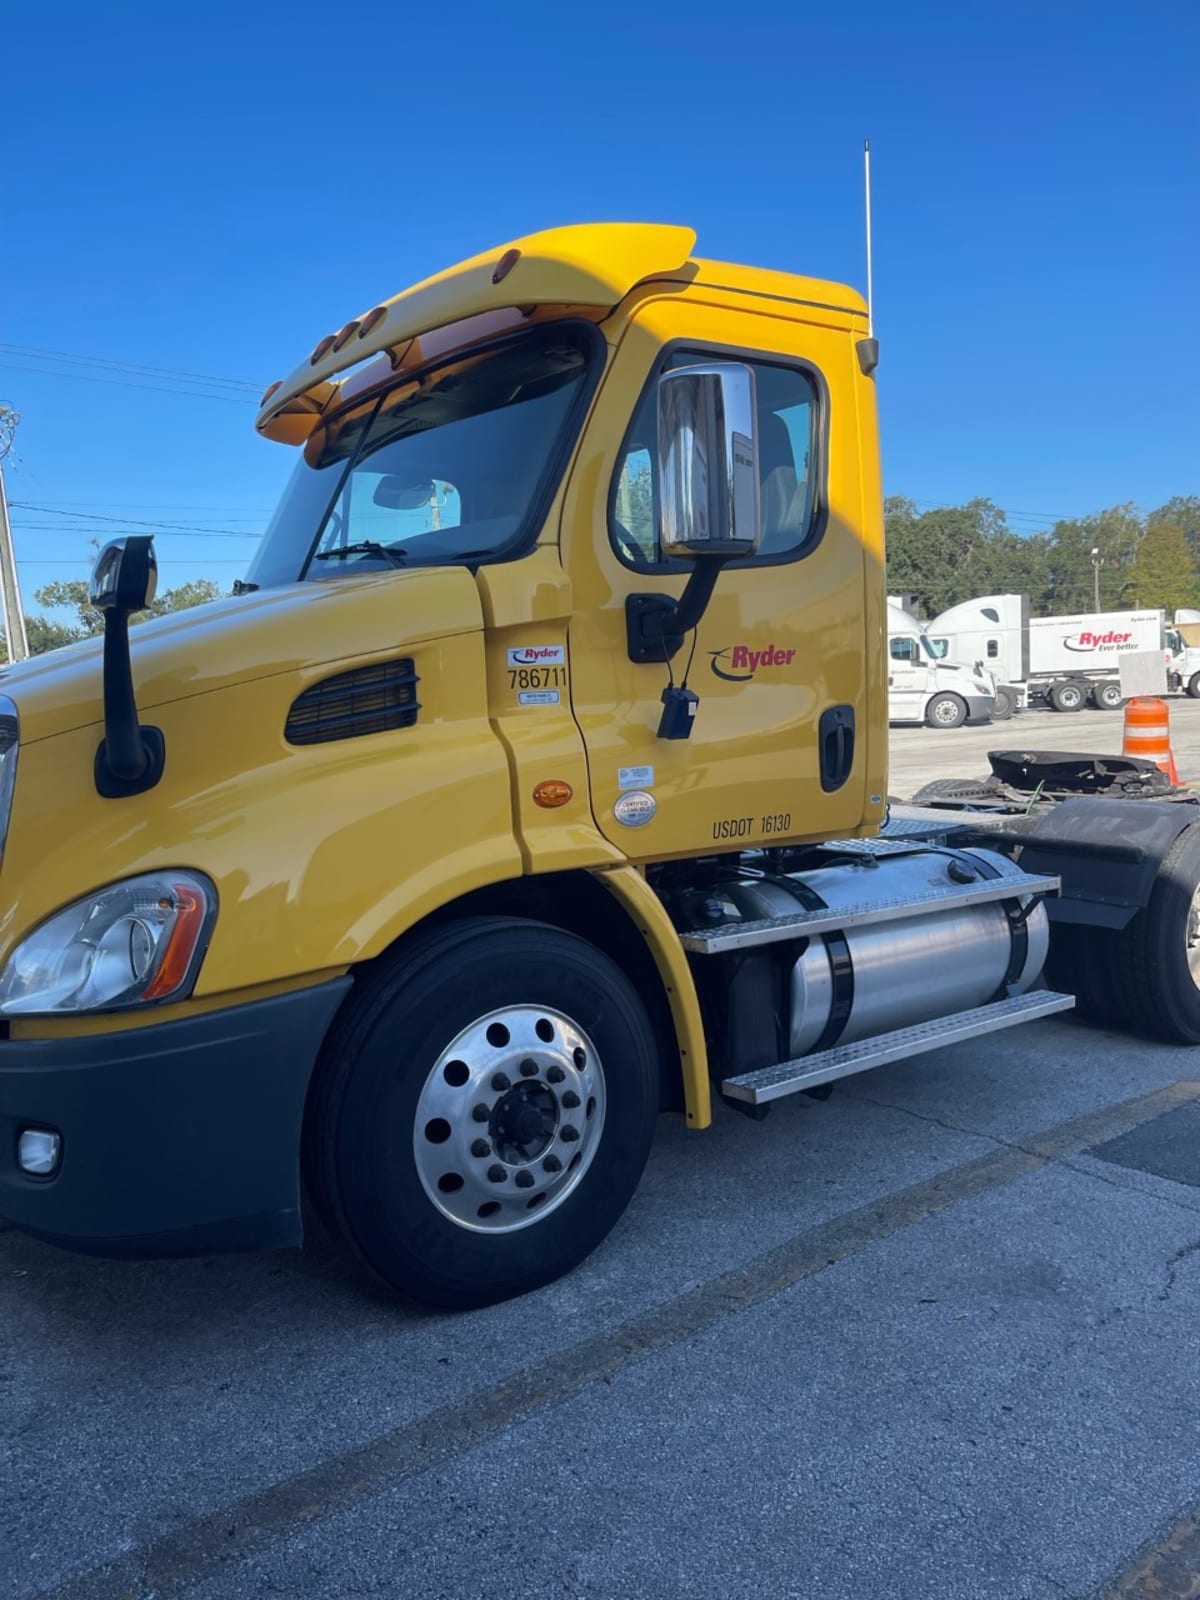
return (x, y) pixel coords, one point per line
(844, 1060)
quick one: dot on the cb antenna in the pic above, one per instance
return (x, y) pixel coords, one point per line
(868, 348)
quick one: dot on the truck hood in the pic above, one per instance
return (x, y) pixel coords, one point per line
(243, 638)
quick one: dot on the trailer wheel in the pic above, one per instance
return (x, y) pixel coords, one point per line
(1156, 965)
(1067, 695)
(484, 1111)
(946, 711)
(1107, 697)
(1004, 704)
(1193, 687)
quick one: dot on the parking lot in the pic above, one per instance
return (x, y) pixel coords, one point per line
(935, 1337)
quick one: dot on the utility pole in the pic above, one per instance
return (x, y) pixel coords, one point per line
(10, 593)
(1097, 563)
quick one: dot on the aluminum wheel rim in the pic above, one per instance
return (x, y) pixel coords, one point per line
(509, 1120)
(1192, 937)
(945, 711)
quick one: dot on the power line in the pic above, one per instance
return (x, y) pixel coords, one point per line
(159, 505)
(156, 388)
(126, 366)
(123, 522)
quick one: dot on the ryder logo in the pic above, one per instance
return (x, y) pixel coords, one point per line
(737, 663)
(1085, 643)
(538, 655)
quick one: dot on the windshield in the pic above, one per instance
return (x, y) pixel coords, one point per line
(446, 466)
(937, 648)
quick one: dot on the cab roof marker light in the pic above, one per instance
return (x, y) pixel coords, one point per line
(344, 335)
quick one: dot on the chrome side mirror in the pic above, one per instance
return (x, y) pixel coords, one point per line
(708, 462)
(125, 575)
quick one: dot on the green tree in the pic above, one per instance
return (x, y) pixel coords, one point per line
(1115, 534)
(1184, 511)
(1164, 574)
(72, 595)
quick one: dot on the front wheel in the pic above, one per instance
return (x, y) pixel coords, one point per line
(485, 1111)
(946, 711)
(1193, 687)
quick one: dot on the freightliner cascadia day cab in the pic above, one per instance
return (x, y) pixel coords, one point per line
(532, 784)
(924, 687)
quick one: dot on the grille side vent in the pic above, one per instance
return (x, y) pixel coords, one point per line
(366, 700)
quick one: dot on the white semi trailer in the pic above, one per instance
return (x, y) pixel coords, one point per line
(1066, 662)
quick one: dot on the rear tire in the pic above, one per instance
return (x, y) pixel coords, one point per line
(1004, 705)
(1067, 695)
(946, 711)
(1107, 697)
(1193, 687)
(1156, 959)
(493, 1032)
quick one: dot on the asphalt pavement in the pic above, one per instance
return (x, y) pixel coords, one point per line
(934, 1338)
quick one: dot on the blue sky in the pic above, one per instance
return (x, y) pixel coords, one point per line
(208, 190)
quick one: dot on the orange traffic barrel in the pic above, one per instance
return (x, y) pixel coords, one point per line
(1148, 733)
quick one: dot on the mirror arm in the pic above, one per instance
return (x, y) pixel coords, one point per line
(656, 625)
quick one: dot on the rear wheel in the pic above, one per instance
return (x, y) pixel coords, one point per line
(1156, 959)
(946, 711)
(1193, 687)
(1107, 696)
(485, 1111)
(1004, 704)
(1067, 695)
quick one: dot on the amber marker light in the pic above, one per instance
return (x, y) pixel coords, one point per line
(552, 793)
(181, 947)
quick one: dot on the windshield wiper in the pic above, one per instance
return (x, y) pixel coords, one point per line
(365, 547)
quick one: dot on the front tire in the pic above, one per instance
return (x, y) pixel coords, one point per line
(1193, 687)
(484, 1112)
(946, 711)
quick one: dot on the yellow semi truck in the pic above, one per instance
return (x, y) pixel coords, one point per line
(533, 782)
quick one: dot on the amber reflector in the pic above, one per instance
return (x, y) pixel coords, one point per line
(552, 792)
(323, 348)
(345, 334)
(371, 320)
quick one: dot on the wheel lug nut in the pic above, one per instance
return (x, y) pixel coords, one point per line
(496, 1174)
(552, 1164)
(501, 1081)
(481, 1113)
(569, 1134)
(481, 1147)
(529, 1068)
(570, 1099)
(524, 1180)
(555, 1075)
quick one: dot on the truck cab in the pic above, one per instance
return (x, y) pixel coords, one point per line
(530, 784)
(924, 685)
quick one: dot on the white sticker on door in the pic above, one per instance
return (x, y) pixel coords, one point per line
(538, 697)
(635, 777)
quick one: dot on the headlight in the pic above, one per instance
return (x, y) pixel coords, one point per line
(9, 738)
(135, 942)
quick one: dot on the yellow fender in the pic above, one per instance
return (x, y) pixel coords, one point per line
(649, 916)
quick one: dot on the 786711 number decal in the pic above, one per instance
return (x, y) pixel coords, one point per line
(537, 677)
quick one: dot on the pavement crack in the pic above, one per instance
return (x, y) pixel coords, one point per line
(1173, 1265)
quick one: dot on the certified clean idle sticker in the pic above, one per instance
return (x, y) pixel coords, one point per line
(634, 808)
(635, 777)
(538, 655)
(538, 697)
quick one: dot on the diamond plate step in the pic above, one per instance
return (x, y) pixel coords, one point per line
(789, 1077)
(771, 930)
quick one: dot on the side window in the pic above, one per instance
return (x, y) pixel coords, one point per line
(786, 422)
(902, 649)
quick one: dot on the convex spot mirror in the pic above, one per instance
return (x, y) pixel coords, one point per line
(708, 461)
(125, 576)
